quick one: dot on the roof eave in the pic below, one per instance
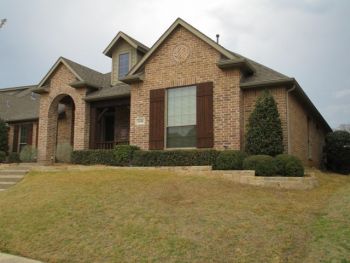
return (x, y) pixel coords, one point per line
(83, 84)
(21, 120)
(41, 90)
(92, 99)
(132, 79)
(242, 64)
(269, 83)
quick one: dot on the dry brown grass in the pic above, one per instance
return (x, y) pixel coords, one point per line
(155, 216)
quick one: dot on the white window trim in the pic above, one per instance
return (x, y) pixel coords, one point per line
(122, 52)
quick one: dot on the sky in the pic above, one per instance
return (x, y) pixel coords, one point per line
(305, 39)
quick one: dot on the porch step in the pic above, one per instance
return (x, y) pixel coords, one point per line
(10, 178)
(13, 172)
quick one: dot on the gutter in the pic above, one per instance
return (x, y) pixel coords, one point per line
(288, 121)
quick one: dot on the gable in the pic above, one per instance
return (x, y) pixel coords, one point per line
(181, 55)
(54, 69)
(181, 23)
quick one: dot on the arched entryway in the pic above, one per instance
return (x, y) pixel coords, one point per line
(61, 122)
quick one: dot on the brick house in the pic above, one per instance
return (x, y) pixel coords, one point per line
(186, 91)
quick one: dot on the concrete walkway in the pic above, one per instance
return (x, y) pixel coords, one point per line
(10, 176)
(6, 258)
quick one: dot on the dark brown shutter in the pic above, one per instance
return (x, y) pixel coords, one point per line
(30, 134)
(15, 139)
(156, 119)
(205, 133)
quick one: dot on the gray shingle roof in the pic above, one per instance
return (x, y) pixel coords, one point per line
(19, 104)
(119, 90)
(87, 74)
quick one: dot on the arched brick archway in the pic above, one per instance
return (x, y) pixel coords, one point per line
(60, 124)
(49, 125)
(59, 88)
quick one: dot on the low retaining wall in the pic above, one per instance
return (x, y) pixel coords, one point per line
(309, 181)
(248, 177)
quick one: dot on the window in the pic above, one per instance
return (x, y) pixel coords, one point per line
(181, 117)
(23, 137)
(123, 65)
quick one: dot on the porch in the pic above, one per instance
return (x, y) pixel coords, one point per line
(109, 123)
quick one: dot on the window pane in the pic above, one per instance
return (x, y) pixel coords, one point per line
(24, 134)
(181, 117)
(181, 106)
(123, 65)
(181, 136)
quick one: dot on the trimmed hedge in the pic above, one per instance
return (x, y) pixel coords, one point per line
(263, 165)
(124, 154)
(264, 132)
(3, 136)
(289, 165)
(174, 158)
(2, 157)
(14, 158)
(89, 157)
(28, 154)
(230, 160)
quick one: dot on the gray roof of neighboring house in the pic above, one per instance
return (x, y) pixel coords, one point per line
(19, 104)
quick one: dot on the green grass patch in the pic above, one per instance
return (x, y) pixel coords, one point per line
(156, 216)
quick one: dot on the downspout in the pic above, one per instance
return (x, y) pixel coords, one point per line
(288, 124)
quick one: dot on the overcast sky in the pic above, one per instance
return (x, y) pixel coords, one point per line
(305, 39)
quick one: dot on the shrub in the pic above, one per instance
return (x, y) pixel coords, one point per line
(337, 152)
(123, 154)
(263, 165)
(89, 157)
(2, 157)
(28, 154)
(288, 165)
(174, 158)
(230, 160)
(3, 136)
(64, 152)
(264, 134)
(14, 158)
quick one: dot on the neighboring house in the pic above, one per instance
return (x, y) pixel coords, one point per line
(186, 91)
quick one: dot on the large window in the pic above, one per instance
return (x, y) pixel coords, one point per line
(123, 65)
(181, 117)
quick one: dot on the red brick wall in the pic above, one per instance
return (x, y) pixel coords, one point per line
(162, 70)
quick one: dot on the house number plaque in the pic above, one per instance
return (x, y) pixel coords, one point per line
(140, 121)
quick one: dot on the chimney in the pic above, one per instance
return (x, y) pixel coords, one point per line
(217, 38)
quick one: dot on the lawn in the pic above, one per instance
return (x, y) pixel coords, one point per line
(107, 215)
